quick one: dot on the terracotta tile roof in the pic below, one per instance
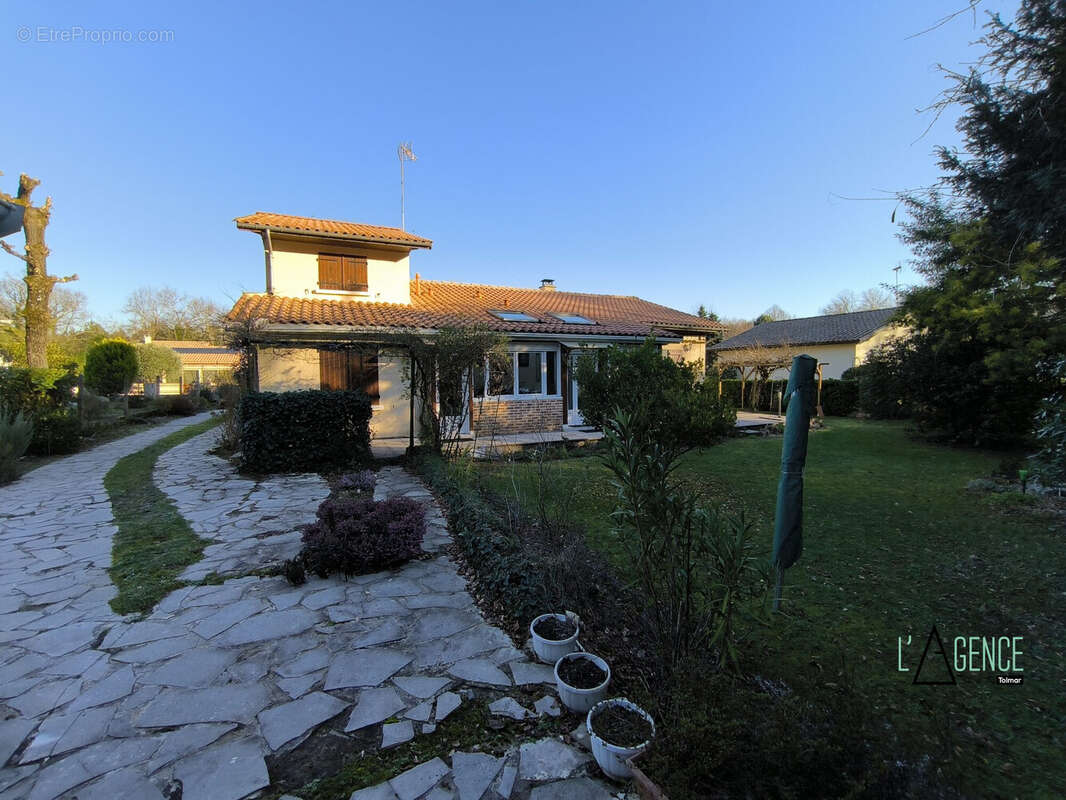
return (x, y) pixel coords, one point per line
(222, 358)
(828, 329)
(191, 351)
(437, 304)
(356, 231)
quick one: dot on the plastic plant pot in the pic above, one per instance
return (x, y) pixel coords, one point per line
(581, 700)
(612, 758)
(550, 650)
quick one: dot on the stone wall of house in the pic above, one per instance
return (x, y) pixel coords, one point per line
(526, 415)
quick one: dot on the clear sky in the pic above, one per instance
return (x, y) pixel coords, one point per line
(687, 153)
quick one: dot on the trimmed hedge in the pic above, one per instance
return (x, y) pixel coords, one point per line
(839, 397)
(308, 431)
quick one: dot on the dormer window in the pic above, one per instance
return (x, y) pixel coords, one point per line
(574, 319)
(515, 316)
(337, 273)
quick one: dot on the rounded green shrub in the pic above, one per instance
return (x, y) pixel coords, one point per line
(111, 366)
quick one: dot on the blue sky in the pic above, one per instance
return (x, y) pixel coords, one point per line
(687, 153)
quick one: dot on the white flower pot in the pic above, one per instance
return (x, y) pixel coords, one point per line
(612, 758)
(581, 700)
(548, 650)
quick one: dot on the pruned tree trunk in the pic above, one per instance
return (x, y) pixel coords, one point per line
(39, 283)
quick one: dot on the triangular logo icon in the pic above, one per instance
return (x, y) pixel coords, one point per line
(932, 676)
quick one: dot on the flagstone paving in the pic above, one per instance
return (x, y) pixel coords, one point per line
(219, 676)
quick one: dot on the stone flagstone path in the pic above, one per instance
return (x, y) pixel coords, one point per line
(93, 705)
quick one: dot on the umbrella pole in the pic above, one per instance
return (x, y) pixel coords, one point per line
(777, 587)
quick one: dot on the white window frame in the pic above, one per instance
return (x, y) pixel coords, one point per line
(513, 351)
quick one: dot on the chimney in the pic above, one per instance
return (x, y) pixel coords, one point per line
(547, 284)
(418, 284)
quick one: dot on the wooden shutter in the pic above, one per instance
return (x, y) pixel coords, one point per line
(370, 373)
(330, 272)
(354, 274)
(333, 369)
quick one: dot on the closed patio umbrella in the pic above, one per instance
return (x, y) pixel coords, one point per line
(788, 521)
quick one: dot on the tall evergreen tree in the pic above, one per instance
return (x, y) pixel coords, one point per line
(990, 238)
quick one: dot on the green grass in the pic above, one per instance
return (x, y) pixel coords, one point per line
(154, 543)
(892, 544)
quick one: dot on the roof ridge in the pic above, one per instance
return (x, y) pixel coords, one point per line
(535, 289)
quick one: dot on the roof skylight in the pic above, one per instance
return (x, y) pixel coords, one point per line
(574, 319)
(515, 316)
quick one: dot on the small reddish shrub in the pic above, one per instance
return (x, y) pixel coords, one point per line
(354, 537)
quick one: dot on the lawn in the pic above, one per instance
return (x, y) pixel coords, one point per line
(154, 543)
(894, 544)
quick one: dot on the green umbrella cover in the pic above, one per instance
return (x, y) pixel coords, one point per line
(788, 522)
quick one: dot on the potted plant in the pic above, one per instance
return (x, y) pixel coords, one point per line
(581, 679)
(554, 635)
(619, 730)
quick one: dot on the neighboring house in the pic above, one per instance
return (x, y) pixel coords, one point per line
(335, 291)
(838, 341)
(201, 362)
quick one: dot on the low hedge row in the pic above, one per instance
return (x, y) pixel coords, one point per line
(505, 569)
(839, 397)
(307, 431)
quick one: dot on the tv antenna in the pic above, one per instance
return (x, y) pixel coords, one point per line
(896, 269)
(405, 153)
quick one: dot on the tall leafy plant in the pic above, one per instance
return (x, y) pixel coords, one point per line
(695, 565)
(16, 433)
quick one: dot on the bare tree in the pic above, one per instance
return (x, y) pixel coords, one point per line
(773, 314)
(167, 314)
(734, 326)
(755, 362)
(847, 301)
(68, 308)
(39, 284)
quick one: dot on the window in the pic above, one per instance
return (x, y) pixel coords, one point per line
(574, 319)
(342, 273)
(553, 382)
(347, 369)
(527, 372)
(515, 316)
(529, 377)
(501, 378)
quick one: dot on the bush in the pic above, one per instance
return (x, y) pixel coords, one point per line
(354, 537)
(527, 569)
(155, 361)
(181, 405)
(110, 366)
(839, 397)
(363, 481)
(307, 431)
(677, 405)
(1050, 459)
(55, 433)
(35, 390)
(16, 433)
(93, 406)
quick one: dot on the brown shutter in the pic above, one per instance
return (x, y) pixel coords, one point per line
(355, 274)
(330, 272)
(333, 369)
(370, 367)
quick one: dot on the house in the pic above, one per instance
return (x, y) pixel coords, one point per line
(201, 362)
(335, 291)
(838, 341)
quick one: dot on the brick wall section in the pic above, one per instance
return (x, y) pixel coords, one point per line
(517, 416)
